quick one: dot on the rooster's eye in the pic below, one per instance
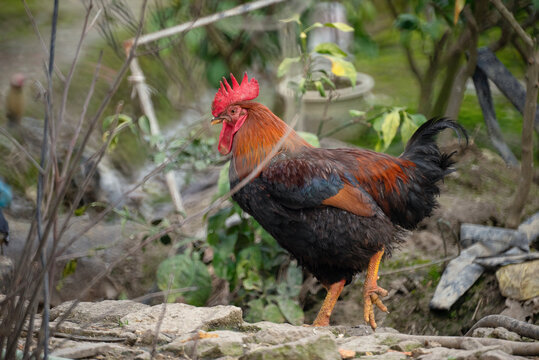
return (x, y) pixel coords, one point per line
(233, 111)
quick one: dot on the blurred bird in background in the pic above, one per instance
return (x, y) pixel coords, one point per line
(15, 100)
(5, 200)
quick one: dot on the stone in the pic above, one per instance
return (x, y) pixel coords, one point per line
(530, 227)
(456, 354)
(498, 355)
(98, 332)
(497, 333)
(362, 345)
(407, 345)
(519, 281)
(182, 318)
(106, 312)
(210, 345)
(274, 334)
(83, 350)
(316, 347)
(6, 272)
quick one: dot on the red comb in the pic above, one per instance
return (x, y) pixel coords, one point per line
(226, 95)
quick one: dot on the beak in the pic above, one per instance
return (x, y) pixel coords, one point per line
(217, 120)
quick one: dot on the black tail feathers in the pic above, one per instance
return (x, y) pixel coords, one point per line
(422, 148)
(431, 166)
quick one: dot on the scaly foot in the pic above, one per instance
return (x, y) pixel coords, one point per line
(371, 295)
(334, 290)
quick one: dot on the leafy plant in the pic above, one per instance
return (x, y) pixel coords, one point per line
(387, 125)
(312, 76)
(185, 274)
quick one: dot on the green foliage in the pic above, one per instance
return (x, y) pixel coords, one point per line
(220, 48)
(312, 77)
(68, 270)
(249, 258)
(187, 274)
(387, 124)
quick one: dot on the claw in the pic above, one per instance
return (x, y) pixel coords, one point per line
(372, 292)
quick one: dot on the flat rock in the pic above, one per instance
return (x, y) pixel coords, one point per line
(316, 347)
(209, 345)
(106, 312)
(363, 345)
(182, 318)
(438, 353)
(519, 281)
(274, 334)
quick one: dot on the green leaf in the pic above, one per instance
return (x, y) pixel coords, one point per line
(255, 311)
(311, 138)
(273, 314)
(418, 119)
(223, 184)
(340, 26)
(320, 88)
(285, 65)
(176, 143)
(356, 113)
(341, 67)
(144, 125)
(390, 126)
(253, 282)
(185, 271)
(407, 22)
(328, 81)
(291, 311)
(407, 129)
(301, 86)
(69, 268)
(313, 26)
(159, 158)
(434, 29)
(81, 210)
(293, 18)
(330, 49)
(377, 124)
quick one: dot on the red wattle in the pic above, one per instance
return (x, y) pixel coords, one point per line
(225, 138)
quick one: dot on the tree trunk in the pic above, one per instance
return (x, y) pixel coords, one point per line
(526, 170)
(443, 97)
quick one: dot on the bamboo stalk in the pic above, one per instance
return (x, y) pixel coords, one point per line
(143, 93)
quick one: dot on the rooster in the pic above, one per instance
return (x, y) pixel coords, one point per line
(337, 211)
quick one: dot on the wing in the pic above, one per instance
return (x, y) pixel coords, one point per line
(314, 178)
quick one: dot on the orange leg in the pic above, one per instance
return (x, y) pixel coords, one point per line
(371, 290)
(322, 319)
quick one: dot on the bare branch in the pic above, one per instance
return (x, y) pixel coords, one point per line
(526, 169)
(38, 33)
(514, 23)
(21, 148)
(238, 10)
(73, 65)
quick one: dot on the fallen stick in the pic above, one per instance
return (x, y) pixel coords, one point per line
(520, 327)
(457, 342)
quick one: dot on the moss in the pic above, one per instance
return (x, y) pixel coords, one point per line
(390, 341)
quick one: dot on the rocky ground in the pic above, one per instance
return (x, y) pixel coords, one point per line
(125, 329)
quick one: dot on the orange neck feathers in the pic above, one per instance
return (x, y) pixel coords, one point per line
(260, 133)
